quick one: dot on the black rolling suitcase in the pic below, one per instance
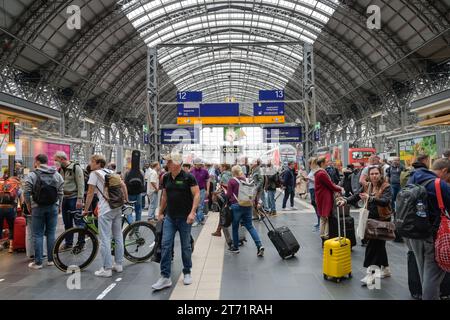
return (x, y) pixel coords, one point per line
(282, 238)
(349, 226)
(414, 284)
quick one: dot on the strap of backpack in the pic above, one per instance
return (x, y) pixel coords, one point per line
(437, 184)
(101, 178)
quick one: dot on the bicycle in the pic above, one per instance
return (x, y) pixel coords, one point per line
(139, 242)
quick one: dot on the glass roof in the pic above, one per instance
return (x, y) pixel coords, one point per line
(243, 69)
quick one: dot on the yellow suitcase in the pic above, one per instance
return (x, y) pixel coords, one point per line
(337, 257)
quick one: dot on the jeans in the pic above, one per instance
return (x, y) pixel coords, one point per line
(137, 205)
(153, 199)
(431, 275)
(69, 206)
(395, 190)
(45, 219)
(170, 227)
(200, 215)
(264, 199)
(243, 214)
(108, 222)
(288, 192)
(312, 193)
(8, 214)
(271, 205)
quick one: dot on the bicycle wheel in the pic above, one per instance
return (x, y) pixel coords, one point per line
(80, 255)
(139, 241)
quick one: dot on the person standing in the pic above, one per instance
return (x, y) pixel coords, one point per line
(324, 191)
(347, 179)
(374, 160)
(44, 192)
(313, 168)
(241, 213)
(272, 182)
(180, 196)
(379, 206)
(134, 180)
(202, 177)
(258, 180)
(73, 176)
(225, 177)
(393, 176)
(10, 197)
(289, 186)
(152, 188)
(333, 172)
(109, 219)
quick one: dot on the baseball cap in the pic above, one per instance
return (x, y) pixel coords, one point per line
(175, 157)
(198, 161)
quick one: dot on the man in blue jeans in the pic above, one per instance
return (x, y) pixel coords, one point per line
(203, 181)
(179, 202)
(43, 196)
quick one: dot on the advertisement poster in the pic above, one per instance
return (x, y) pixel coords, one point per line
(233, 134)
(50, 149)
(409, 149)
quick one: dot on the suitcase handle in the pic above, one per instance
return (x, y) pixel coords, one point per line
(264, 220)
(339, 224)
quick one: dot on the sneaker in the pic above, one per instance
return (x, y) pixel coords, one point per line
(65, 247)
(11, 249)
(203, 222)
(216, 234)
(187, 279)
(103, 273)
(234, 250)
(385, 272)
(260, 252)
(117, 268)
(364, 280)
(294, 208)
(34, 266)
(162, 283)
(195, 224)
(50, 264)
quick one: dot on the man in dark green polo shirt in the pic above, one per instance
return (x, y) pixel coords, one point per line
(179, 202)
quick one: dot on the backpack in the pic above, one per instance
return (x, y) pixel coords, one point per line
(113, 189)
(45, 189)
(442, 243)
(408, 223)
(9, 191)
(246, 194)
(134, 181)
(404, 177)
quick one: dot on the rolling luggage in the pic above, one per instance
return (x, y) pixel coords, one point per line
(282, 238)
(415, 285)
(337, 260)
(20, 226)
(349, 226)
(227, 232)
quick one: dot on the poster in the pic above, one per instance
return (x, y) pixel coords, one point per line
(232, 134)
(409, 149)
(48, 148)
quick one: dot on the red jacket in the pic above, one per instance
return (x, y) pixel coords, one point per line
(324, 190)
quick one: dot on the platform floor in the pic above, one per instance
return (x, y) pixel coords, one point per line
(217, 274)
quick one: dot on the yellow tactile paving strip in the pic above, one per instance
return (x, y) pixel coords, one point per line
(207, 266)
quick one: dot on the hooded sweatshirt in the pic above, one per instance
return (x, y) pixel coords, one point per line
(73, 181)
(31, 180)
(419, 176)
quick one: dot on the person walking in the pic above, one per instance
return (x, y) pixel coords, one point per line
(273, 181)
(289, 186)
(73, 176)
(44, 192)
(203, 181)
(241, 213)
(377, 193)
(152, 188)
(109, 219)
(324, 191)
(179, 202)
(225, 176)
(10, 196)
(134, 181)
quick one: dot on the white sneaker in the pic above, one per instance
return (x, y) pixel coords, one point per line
(162, 283)
(50, 264)
(103, 273)
(117, 268)
(385, 272)
(195, 224)
(187, 279)
(294, 208)
(34, 266)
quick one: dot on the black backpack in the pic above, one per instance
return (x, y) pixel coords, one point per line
(135, 182)
(45, 189)
(408, 223)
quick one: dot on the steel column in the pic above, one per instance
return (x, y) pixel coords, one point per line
(309, 96)
(152, 101)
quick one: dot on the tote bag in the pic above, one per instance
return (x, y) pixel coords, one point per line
(363, 217)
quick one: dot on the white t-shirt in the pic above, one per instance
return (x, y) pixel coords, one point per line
(152, 176)
(99, 184)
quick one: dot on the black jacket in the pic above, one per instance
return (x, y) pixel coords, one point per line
(372, 206)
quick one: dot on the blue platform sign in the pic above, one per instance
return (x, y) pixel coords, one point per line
(271, 95)
(282, 135)
(146, 138)
(187, 110)
(219, 110)
(189, 96)
(268, 109)
(180, 135)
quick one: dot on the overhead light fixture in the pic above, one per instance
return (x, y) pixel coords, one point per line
(10, 149)
(34, 126)
(89, 120)
(376, 115)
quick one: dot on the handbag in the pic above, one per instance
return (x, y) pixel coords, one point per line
(442, 243)
(225, 216)
(363, 217)
(379, 230)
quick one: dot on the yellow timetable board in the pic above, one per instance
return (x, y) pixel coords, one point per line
(231, 120)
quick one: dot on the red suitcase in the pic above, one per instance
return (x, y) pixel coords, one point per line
(20, 226)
